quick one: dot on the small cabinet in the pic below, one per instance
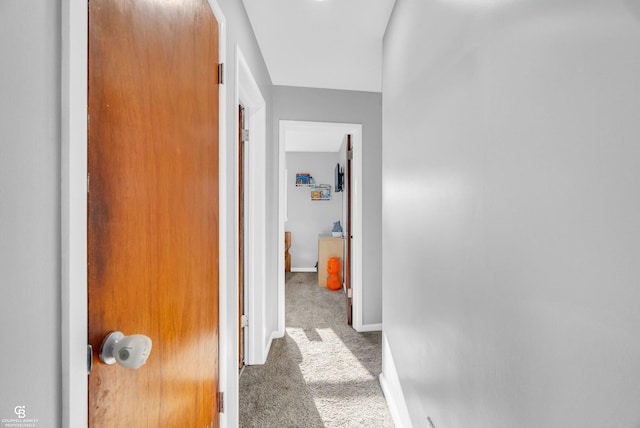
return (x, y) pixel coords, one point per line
(329, 246)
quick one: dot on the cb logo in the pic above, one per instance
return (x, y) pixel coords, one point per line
(21, 411)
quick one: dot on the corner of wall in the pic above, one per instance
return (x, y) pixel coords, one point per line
(390, 383)
(363, 328)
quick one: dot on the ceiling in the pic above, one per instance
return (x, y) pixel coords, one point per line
(333, 44)
(302, 136)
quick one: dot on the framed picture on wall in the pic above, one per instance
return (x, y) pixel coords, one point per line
(304, 179)
(321, 192)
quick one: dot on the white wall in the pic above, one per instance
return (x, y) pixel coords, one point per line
(324, 105)
(30, 373)
(511, 234)
(306, 218)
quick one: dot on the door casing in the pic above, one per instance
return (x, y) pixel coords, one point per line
(355, 129)
(242, 247)
(257, 340)
(74, 82)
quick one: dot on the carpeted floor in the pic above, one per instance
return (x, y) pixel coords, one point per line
(321, 374)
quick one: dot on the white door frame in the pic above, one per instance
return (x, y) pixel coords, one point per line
(248, 93)
(74, 329)
(355, 130)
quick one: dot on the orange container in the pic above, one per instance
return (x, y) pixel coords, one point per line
(333, 269)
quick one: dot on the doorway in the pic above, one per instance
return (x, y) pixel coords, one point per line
(289, 132)
(74, 124)
(253, 214)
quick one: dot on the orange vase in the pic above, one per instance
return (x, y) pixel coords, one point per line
(333, 269)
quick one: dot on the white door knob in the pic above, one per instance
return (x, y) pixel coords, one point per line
(128, 351)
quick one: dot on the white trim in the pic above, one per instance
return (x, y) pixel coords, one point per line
(390, 383)
(282, 215)
(248, 93)
(355, 129)
(226, 340)
(369, 327)
(357, 218)
(304, 269)
(267, 348)
(74, 22)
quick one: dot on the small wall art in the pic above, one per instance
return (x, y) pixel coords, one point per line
(304, 179)
(321, 192)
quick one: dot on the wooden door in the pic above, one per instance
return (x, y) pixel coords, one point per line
(349, 237)
(153, 209)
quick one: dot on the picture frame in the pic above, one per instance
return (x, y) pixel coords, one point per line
(304, 179)
(321, 192)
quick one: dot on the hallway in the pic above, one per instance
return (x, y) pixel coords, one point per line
(321, 374)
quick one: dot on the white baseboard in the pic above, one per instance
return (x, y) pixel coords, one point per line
(304, 269)
(274, 335)
(392, 389)
(267, 348)
(368, 327)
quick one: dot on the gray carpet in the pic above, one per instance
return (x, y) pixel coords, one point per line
(321, 374)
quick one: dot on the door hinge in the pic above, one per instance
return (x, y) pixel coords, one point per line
(221, 402)
(350, 293)
(88, 181)
(244, 321)
(245, 135)
(349, 154)
(221, 73)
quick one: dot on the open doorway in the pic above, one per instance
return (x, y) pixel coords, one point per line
(318, 356)
(302, 136)
(74, 306)
(251, 258)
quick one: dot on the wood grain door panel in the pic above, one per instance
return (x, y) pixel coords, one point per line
(153, 209)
